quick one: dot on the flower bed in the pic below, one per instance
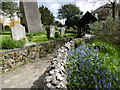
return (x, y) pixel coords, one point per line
(88, 69)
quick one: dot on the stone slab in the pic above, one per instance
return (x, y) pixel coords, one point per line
(52, 31)
(62, 31)
(31, 16)
(18, 32)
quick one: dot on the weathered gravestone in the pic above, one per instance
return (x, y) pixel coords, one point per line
(18, 32)
(1, 28)
(52, 31)
(62, 31)
(31, 17)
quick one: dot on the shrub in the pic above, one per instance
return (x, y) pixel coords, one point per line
(86, 69)
(38, 34)
(20, 43)
(108, 30)
(30, 37)
(57, 34)
(47, 28)
(8, 43)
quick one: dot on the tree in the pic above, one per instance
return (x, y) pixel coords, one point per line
(47, 17)
(69, 12)
(9, 8)
(57, 23)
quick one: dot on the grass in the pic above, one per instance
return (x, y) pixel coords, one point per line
(36, 37)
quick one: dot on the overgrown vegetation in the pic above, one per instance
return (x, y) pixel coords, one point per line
(8, 43)
(94, 65)
(108, 30)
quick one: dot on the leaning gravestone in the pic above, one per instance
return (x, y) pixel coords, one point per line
(1, 28)
(52, 31)
(62, 31)
(18, 32)
(31, 17)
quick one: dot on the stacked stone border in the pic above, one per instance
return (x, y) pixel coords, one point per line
(55, 75)
(15, 57)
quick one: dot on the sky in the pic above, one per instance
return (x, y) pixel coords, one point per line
(54, 5)
(84, 5)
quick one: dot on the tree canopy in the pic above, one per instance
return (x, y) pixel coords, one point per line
(71, 13)
(9, 8)
(47, 17)
(68, 11)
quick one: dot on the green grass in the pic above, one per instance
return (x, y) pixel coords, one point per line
(36, 37)
(112, 62)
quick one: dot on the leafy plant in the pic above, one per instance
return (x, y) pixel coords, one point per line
(8, 43)
(109, 30)
(30, 37)
(88, 69)
(57, 34)
(47, 28)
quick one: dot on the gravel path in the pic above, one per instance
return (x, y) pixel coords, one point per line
(27, 76)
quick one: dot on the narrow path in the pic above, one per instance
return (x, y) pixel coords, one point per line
(27, 76)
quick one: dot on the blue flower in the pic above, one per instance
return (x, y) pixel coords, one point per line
(70, 52)
(69, 72)
(96, 86)
(117, 79)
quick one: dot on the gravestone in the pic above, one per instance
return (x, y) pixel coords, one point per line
(1, 28)
(18, 32)
(62, 31)
(31, 18)
(52, 31)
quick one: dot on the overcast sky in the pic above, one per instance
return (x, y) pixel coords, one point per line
(84, 5)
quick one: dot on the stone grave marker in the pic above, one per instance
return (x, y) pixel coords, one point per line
(1, 28)
(52, 31)
(18, 32)
(31, 17)
(62, 31)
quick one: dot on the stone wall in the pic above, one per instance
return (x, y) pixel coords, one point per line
(55, 75)
(15, 57)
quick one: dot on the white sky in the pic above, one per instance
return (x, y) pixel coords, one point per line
(84, 5)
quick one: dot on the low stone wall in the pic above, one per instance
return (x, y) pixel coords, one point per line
(15, 57)
(55, 76)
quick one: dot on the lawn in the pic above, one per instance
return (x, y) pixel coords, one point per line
(36, 37)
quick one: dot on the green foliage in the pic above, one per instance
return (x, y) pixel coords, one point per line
(70, 12)
(57, 34)
(47, 28)
(109, 30)
(57, 23)
(20, 43)
(47, 17)
(87, 68)
(29, 37)
(78, 42)
(38, 34)
(8, 43)
(9, 8)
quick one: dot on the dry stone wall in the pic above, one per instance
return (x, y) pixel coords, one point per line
(16, 57)
(55, 76)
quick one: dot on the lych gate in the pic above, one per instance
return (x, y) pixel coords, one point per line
(82, 24)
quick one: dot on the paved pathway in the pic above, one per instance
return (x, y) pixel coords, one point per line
(27, 76)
